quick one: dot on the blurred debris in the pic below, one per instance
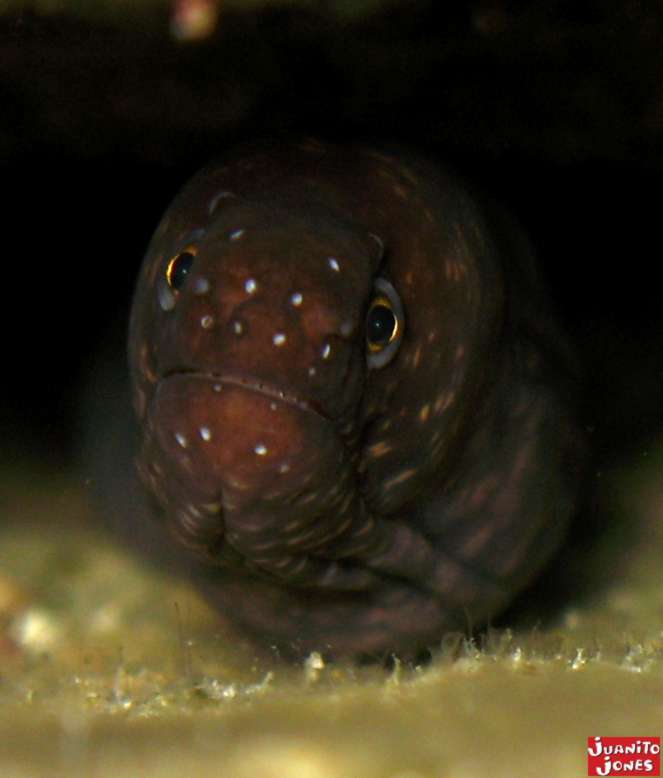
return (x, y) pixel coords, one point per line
(563, 81)
(194, 20)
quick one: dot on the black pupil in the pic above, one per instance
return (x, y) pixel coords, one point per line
(180, 269)
(380, 325)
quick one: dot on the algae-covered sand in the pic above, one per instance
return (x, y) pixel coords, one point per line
(112, 668)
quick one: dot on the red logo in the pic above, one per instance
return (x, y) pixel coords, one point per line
(623, 756)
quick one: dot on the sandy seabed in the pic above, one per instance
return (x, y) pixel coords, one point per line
(112, 668)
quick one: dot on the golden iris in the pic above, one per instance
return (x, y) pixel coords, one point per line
(178, 269)
(382, 325)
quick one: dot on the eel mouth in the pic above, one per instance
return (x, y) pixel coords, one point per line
(258, 386)
(224, 431)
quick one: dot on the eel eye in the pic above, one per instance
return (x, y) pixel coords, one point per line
(384, 324)
(178, 269)
(381, 324)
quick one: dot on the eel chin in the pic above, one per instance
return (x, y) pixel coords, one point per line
(281, 475)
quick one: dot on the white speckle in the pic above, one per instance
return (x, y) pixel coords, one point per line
(236, 235)
(201, 286)
(279, 338)
(166, 297)
(333, 264)
(250, 285)
(284, 468)
(36, 630)
(205, 433)
(260, 449)
(346, 328)
(213, 203)
(217, 387)
(206, 322)
(296, 299)
(181, 439)
(238, 327)
(273, 406)
(326, 351)
(312, 371)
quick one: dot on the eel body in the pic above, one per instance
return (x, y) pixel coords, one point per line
(356, 412)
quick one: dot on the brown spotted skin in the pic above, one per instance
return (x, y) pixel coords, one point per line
(335, 504)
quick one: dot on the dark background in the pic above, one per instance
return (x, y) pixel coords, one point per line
(556, 108)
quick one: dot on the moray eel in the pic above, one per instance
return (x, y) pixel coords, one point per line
(355, 410)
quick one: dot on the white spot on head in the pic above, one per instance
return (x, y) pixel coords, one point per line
(333, 264)
(238, 327)
(296, 299)
(200, 286)
(279, 338)
(326, 351)
(236, 235)
(181, 439)
(250, 285)
(312, 371)
(217, 387)
(206, 322)
(205, 433)
(273, 406)
(260, 449)
(284, 468)
(166, 297)
(346, 328)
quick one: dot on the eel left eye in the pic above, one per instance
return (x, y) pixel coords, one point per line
(384, 324)
(178, 269)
